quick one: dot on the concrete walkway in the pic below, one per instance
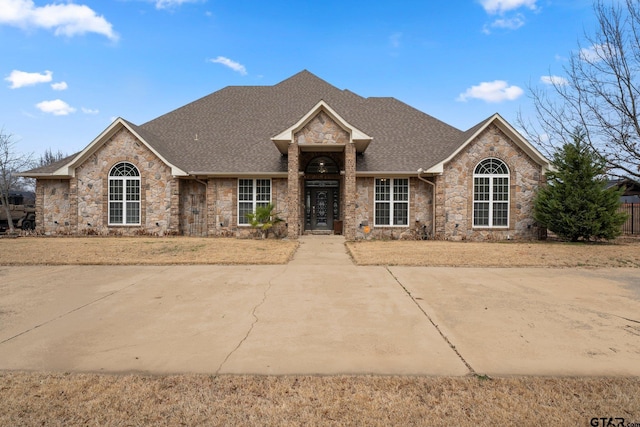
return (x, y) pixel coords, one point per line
(320, 314)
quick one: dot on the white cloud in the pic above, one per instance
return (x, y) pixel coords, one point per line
(89, 111)
(554, 80)
(495, 91)
(595, 53)
(19, 78)
(508, 19)
(501, 6)
(56, 107)
(59, 86)
(235, 66)
(505, 24)
(66, 19)
(168, 4)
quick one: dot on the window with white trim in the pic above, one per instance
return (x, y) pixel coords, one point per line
(251, 194)
(124, 195)
(491, 194)
(391, 202)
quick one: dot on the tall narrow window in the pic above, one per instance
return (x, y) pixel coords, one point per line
(491, 194)
(252, 193)
(391, 201)
(124, 195)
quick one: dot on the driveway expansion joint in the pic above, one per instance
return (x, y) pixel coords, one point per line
(444, 337)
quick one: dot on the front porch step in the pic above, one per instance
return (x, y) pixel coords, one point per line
(319, 232)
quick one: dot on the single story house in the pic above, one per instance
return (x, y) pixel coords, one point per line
(328, 159)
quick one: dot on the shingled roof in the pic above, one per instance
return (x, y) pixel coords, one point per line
(230, 131)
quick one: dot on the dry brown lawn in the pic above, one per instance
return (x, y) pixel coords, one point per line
(92, 399)
(102, 400)
(494, 254)
(189, 250)
(143, 251)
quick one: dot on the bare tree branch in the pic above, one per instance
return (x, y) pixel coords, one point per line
(11, 163)
(601, 94)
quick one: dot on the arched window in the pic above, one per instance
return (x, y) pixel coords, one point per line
(491, 194)
(124, 195)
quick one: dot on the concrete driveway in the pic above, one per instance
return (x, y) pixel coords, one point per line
(320, 314)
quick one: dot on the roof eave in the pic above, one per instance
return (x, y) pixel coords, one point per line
(385, 174)
(513, 134)
(68, 170)
(205, 174)
(43, 175)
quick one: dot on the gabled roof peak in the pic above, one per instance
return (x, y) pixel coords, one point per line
(284, 138)
(497, 120)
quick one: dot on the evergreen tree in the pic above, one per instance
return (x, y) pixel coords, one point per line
(575, 204)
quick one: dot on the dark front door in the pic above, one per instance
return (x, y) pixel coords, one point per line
(321, 205)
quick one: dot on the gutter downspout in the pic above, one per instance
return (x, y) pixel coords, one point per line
(433, 214)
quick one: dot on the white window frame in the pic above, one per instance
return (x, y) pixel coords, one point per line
(394, 198)
(493, 198)
(243, 221)
(128, 199)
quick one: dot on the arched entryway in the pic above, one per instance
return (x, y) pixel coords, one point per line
(321, 133)
(322, 195)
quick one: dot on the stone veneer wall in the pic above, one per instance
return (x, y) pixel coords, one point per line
(222, 207)
(293, 192)
(80, 205)
(455, 190)
(322, 129)
(350, 187)
(53, 207)
(420, 211)
(279, 190)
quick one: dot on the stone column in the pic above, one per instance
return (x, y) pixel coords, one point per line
(293, 196)
(350, 192)
(173, 227)
(438, 199)
(210, 200)
(73, 206)
(40, 225)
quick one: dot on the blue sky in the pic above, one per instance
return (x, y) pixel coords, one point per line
(69, 68)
